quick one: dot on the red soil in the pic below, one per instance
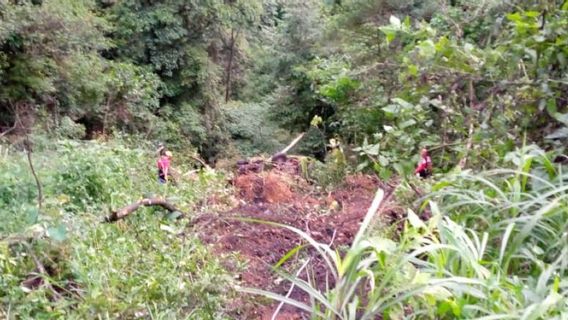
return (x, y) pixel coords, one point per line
(282, 196)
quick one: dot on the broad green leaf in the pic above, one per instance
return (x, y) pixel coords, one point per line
(392, 108)
(427, 48)
(390, 34)
(174, 215)
(532, 14)
(413, 69)
(515, 17)
(561, 133)
(407, 123)
(380, 244)
(395, 21)
(57, 233)
(414, 220)
(407, 22)
(562, 117)
(403, 103)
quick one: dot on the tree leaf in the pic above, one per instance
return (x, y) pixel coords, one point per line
(57, 233)
(562, 117)
(392, 108)
(407, 123)
(174, 215)
(561, 133)
(395, 21)
(414, 220)
(403, 103)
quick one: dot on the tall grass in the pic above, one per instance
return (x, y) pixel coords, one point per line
(495, 248)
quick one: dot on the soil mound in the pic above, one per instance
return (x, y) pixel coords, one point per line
(281, 195)
(264, 187)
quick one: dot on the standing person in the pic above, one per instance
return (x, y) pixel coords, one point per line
(161, 149)
(164, 167)
(424, 168)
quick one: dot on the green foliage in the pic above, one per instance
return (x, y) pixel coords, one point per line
(313, 143)
(144, 266)
(406, 129)
(253, 130)
(69, 129)
(495, 247)
(36, 46)
(465, 79)
(162, 273)
(478, 75)
(129, 66)
(331, 172)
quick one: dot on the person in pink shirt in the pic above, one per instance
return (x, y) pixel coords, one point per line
(424, 168)
(164, 166)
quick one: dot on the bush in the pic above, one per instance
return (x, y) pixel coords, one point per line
(143, 267)
(252, 129)
(70, 129)
(495, 247)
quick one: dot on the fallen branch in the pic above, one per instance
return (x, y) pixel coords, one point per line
(45, 277)
(292, 144)
(122, 213)
(201, 161)
(8, 130)
(281, 155)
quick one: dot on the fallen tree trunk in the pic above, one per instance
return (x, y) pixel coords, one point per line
(281, 156)
(123, 212)
(292, 144)
(201, 161)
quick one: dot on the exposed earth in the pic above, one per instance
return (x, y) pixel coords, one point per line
(278, 193)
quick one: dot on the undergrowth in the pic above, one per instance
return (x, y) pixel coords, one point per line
(495, 248)
(143, 267)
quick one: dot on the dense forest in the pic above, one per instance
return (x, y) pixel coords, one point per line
(337, 226)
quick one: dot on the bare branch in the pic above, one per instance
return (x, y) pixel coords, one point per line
(123, 212)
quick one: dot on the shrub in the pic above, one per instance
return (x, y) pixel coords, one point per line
(144, 266)
(252, 129)
(495, 248)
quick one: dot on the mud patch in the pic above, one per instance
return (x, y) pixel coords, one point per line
(282, 196)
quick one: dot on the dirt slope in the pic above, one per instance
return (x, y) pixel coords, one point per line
(281, 195)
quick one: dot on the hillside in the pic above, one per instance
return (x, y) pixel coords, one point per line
(326, 159)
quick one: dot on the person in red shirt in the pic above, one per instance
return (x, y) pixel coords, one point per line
(164, 166)
(424, 168)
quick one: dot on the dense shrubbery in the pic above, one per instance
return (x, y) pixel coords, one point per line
(141, 267)
(252, 129)
(473, 81)
(155, 69)
(467, 79)
(495, 248)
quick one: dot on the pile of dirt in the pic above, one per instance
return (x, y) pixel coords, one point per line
(282, 196)
(264, 187)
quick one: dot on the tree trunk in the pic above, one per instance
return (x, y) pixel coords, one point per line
(32, 169)
(229, 69)
(282, 154)
(472, 102)
(122, 213)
